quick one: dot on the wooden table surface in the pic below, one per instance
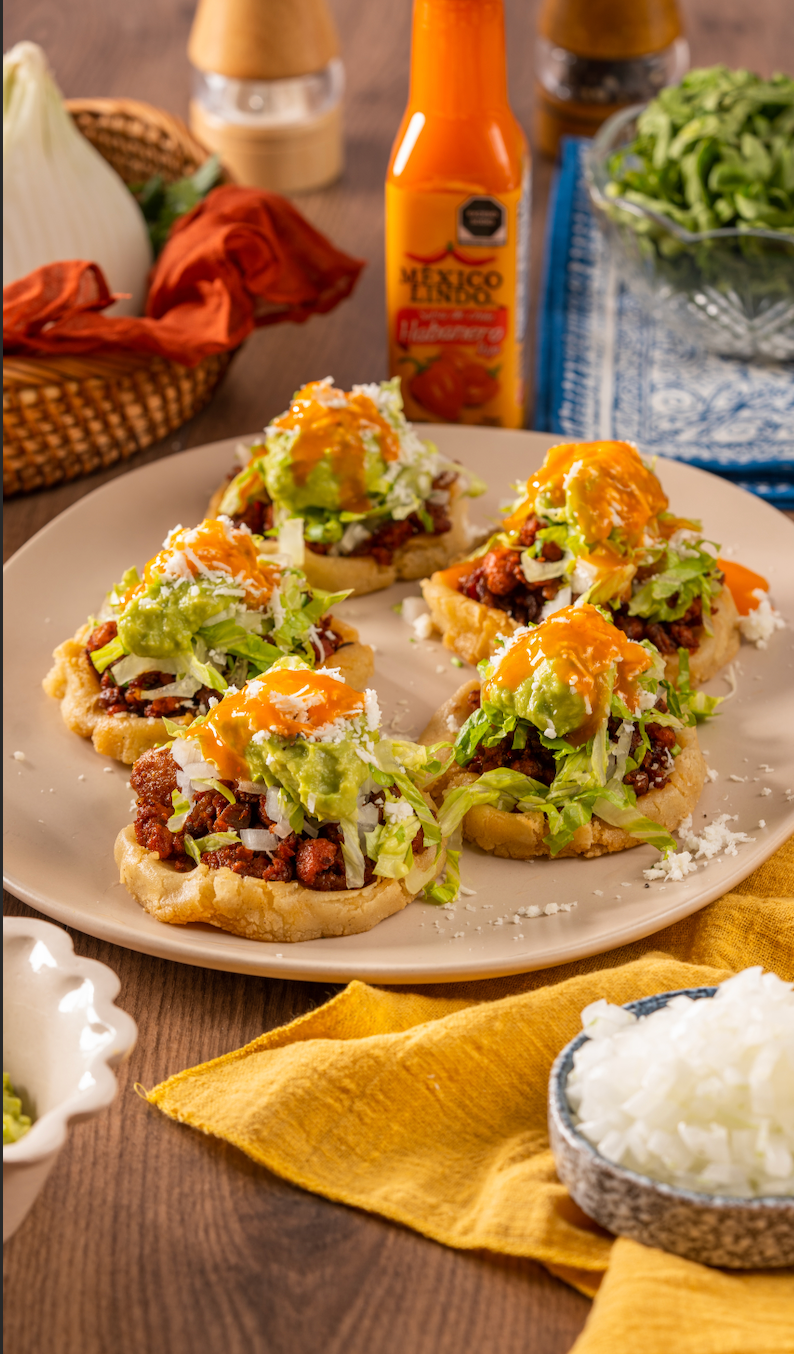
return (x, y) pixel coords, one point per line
(148, 1236)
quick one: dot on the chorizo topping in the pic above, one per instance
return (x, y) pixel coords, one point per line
(316, 860)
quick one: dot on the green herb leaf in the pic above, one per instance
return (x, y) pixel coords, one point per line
(164, 203)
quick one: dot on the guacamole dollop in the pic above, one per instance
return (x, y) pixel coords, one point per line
(15, 1123)
(162, 620)
(543, 699)
(323, 487)
(327, 777)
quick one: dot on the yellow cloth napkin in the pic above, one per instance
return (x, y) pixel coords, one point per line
(428, 1106)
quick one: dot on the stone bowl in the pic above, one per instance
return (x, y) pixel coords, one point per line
(712, 1229)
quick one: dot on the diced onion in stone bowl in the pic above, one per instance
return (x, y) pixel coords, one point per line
(700, 1093)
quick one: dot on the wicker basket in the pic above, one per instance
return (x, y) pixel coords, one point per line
(67, 416)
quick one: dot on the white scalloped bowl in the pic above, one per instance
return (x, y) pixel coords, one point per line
(62, 1035)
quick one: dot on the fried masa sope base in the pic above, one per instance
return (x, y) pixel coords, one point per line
(254, 907)
(471, 629)
(519, 836)
(74, 682)
(361, 574)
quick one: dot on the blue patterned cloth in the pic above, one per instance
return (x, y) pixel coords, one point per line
(606, 368)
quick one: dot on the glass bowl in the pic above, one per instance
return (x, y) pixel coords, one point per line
(731, 290)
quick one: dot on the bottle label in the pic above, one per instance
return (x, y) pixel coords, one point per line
(456, 284)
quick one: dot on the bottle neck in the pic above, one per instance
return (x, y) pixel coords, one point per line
(458, 60)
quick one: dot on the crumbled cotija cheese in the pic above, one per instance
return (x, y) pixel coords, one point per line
(758, 626)
(715, 839)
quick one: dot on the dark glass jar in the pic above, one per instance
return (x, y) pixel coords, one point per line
(595, 56)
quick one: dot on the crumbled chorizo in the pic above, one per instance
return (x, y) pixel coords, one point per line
(668, 636)
(318, 862)
(153, 777)
(497, 580)
(256, 515)
(101, 636)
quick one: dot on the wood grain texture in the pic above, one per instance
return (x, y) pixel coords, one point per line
(149, 1238)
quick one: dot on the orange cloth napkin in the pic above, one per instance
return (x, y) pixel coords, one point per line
(241, 259)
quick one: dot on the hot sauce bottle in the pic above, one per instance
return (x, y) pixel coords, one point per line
(457, 224)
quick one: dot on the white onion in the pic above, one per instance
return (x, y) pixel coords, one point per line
(183, 751)
(290, 541)
(201, 771)
(700, 1093)
(368, 816)
(258, 839)
(61, 199)
(412, 608)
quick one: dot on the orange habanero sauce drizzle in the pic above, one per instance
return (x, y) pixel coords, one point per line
(215, 547)
(232, 723)
(582, 647)
(451, 577)
(336, 433)
(742, 583)
(614, 488)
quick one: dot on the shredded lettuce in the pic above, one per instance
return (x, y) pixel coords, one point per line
(196, 846)
(701, 705)
(218, 786)
(668, 594)
(588, 779)
(352, 854)
(446, 889)
(181, 811)
(102, 658)
(130, 579)
(175, 730)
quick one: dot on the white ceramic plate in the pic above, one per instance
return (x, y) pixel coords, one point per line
(64, 804)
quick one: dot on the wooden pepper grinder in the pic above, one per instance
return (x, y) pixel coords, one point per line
(267, 90)
(595, 56)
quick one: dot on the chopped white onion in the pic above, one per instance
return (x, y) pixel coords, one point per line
(368, 816)
(700, 1093)
(258, 839)
(201, 771)
(182, 751)
(412, 608)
